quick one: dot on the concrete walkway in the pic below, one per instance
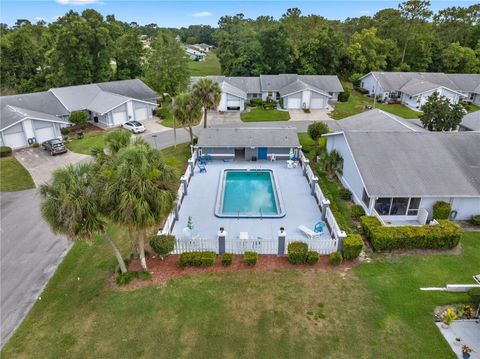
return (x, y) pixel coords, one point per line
(314, 115)
(30, 254)
(469, 333)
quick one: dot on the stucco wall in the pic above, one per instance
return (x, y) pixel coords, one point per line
(371, 84)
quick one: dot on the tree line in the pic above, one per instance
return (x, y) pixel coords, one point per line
(408, 38)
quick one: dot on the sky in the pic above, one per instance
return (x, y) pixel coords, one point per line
(183, 13)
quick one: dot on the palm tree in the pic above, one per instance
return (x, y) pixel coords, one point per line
(208, 94)
(139, 190)
(70, 206)
(116, 140)
(187, 111)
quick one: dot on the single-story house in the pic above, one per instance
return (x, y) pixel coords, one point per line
(194, 53)
(394, 172)
(204, 47)
(471, 122)
(247, 144)
(296, 91)
(37, 117)
(414, 88)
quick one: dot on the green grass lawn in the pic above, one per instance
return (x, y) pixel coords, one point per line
(375, 310)
(89, 140)
(168, 121)
(259, 114)
(357, 102)
(177, 157)
(473, 108)
(13, 176)
(211, 66)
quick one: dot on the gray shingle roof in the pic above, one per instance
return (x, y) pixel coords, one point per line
(232, 90)
(76, 98)
(416, 86)
(327, 83)
(409, 164)
(394, 81)
(106, 101)
(41, 102)
(246, 84)
(298, 86)
(248, 137)
(276, 82)
(133, 88)
(466, 82)
(378, 120)
(472, 121)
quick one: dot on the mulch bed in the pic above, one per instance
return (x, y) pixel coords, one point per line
(162, 271)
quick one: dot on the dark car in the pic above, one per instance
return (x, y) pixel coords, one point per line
(54, 146)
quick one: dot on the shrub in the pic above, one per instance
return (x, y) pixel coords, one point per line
(355, 79)
(449, 316)
(361, 90)
(197, 259)
(476, 220)
(345, 95)
(357, 211)
(35, 145)
(317, 129)
(444, 235)
(335, 258)
(125, 278)
(144, 275)
(297, 252)
(5, 151)
(162, 245)
(474, 293)
(64, 131)
(227, 259)
(79, 118)
(256, 102)
(352, 246)
(250, 258)
(345, 194)
(312, 257)
(441, 210)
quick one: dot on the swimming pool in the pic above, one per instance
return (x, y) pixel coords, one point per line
(248, 193)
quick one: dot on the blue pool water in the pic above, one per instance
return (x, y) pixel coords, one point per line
(249, 192)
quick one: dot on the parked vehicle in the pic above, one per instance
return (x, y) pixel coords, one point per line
(54, 146)
(134, 126)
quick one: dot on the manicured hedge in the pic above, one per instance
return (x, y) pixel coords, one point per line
(312, 257)
(335, 258)
(352, 246)
(5, 151)
(444, 235)
(474, 293)
(162, 245)
(297, 252)
(476, 220)
(345, 194)
(197, 259)
(250, 258)
(357, 211)
(227, 259)
(441, 210)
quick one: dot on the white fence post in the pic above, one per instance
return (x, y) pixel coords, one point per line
(222, 235)
(185, 184)
(305, 165)
(312, 185)
(325, 205)
(341, 235)
(282, 236)
(192, 166)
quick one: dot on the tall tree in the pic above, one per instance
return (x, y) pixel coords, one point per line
(413, 12)
(139, 190)
(460, 59)
(440, 115)
(187, 110)
(208, 95)
(70, 205)
(167, 66)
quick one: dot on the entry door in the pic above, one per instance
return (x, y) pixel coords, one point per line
(262, 153)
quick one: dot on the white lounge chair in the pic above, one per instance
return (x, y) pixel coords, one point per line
(310, 233)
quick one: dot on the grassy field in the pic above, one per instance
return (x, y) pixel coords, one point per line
(211, 66)
(89, 140)
(177, 157)
(374, 310)
(168, 121)
(13, 176)
(259, 114)
(357, 102)
(473, 108)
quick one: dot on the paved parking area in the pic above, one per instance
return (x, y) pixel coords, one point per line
(30, 254)
(314, 115)
(153, 125)
(215, 118)
(41, 165)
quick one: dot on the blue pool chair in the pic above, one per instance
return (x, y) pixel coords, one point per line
(202, 168)
(319, 227)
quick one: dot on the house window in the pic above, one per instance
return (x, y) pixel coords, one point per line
(255, 95)
(330, 93)
(413, 206)
(362, 85)
(382, 206)
(399, 207)
(270, 94)
(365, 198)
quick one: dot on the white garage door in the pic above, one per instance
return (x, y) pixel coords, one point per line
(317, 102)
(294, 102)
(141, 113)
(233, 103)
(119, 118)
(44, 134)
(15, 140)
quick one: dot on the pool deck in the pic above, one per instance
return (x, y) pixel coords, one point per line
(301, 207)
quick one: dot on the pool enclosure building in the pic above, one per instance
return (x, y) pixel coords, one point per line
(248, 144)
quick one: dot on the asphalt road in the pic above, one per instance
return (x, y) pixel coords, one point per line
(30, 254)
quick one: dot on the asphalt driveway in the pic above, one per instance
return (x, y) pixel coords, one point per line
(41, 165)
(30, 254)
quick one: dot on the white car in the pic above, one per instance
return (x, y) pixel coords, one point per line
(134, 126)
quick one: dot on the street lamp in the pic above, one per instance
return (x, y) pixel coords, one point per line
(174, 127)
